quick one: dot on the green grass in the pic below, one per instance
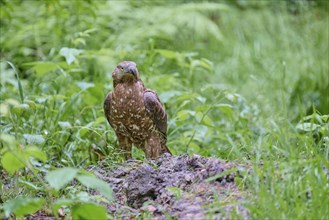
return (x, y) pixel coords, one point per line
(245, 82)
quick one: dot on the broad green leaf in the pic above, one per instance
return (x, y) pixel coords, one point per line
(4, 109)
(203, 108)
(198, 116)
(78, 41)
(83, 131)
(226, 108)
(64, 124)
(307, 126)
(84, 85)
(32, 104)
(167, 53)
(34, 138)
(88, 31)
(36, 153)
(83, 197)
(205, 6)
(60, 177)
(88, 211)
(42, 68)
(204, 63)
(207, 64)
(99, 120)
(69, 54)
(182, 115)
(12, 102)
(325, 118)
(193, 148)
(201, 99)
(57, 98)
(189, 96)
(97, 184)
(8, 139)
(22, 206)
(20, 109)
(62, 202)
(12, 162)
(29, 184)
(207, 121)
(166, 96)
(233, 97)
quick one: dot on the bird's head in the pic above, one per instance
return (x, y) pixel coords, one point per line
(125, 71)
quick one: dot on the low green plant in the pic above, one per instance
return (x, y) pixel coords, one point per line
(55, 191)
(243, 81)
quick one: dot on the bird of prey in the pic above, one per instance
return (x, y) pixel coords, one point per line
(136, 113)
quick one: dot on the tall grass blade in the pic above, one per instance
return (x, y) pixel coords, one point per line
(20, 88)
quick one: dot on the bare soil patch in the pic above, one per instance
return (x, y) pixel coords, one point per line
(183, 187)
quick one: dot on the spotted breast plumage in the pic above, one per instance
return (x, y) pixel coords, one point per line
(136, 113)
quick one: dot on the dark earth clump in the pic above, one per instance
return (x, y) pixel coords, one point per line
(183, 187)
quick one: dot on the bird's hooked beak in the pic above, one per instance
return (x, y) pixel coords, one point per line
(131, 69)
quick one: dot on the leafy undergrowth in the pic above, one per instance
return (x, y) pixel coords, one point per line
(243, 81)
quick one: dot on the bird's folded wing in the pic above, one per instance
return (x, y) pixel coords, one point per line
(156, 110)
(107, 104)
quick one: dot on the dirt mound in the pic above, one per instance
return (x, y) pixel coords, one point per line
(186, 187)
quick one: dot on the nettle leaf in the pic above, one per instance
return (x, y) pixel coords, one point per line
(4, 109)
(99, 120)
(88, 211)
(12, 162)
(60, 177)
(69, 54)
(8, 140)
(83, 197)
(64, 124)
(183, 115)
(169, 54)
(62, 202)
(84, 85)
(34, 138)
(226, 108)
(307, 126)
(36, 153)
(207, 121)
(22, 206)
(166, 96)
(42, 68)
(30, 185)
(83, 131)
(21, 109)
(325, 118)
(97, 184)
(31, 104)
(56, 98)
(193, 148)
(204, 63)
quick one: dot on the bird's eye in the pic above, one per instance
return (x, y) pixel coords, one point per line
(120, 67)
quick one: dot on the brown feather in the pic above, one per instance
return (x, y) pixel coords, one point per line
(136, 113)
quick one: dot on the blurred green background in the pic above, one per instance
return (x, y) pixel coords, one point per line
(241, 80)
